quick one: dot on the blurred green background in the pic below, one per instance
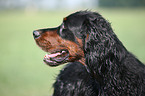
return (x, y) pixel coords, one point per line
(22, 71)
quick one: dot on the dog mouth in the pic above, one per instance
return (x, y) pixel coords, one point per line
(56, 58)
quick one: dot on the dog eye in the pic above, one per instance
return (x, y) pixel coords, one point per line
(63, 26)
(67, 34)
(62, 32)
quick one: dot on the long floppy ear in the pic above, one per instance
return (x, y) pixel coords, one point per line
(100, 34)
(101, 45)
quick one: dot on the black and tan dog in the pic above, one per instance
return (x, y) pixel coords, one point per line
(100, 64)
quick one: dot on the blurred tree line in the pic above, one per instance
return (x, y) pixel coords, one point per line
(122, 3)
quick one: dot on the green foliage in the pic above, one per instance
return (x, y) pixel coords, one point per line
(122, 3)
(22, 72)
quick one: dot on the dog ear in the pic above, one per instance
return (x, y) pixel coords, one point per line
(98, 31)
(100, 42)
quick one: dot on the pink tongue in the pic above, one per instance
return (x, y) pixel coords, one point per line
(52, 55)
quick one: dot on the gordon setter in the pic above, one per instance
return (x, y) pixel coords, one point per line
(100, 64)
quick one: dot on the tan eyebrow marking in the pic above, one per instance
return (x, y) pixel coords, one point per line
(64, 19)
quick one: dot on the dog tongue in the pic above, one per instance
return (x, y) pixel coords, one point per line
(52, 55)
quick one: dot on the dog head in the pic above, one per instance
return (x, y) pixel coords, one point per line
(78, 34)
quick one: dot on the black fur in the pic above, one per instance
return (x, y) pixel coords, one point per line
(74, 80)
(112, 70)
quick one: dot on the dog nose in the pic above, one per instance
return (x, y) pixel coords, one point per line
(36, 34)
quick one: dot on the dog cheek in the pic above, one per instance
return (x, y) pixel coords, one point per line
(76, 54)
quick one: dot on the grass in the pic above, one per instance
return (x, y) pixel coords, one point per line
(22, 72)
